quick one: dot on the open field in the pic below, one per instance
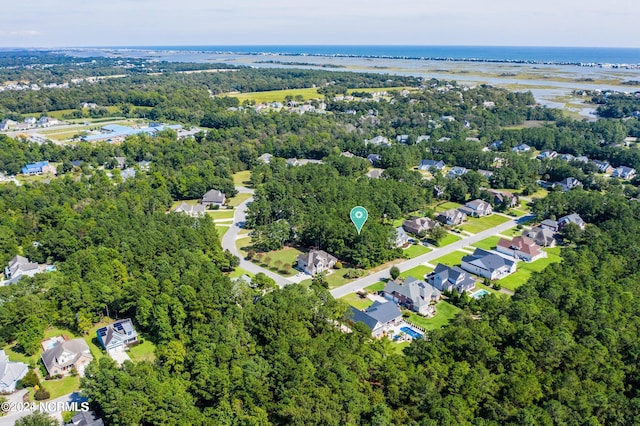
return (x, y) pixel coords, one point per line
(479, 224)
(276, 95)
(445, 312)
(356, 301)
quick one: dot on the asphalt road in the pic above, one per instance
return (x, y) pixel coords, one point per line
(357, 285)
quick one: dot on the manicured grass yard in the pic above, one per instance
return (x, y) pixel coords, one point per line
(399, 347)
(515, 280)
(478, 224)
(446, 206)
(512, 232)
(415, 250)
(488, 243)
(242, 178)
(220, 214)
(238, 199)
(445, 312)
(63, 386)
(243, 245)
(449, 239)
(221, 229)
(374, 288)
(286, 256)
(418, 272)
(452, 259)
(356, 301)
(142, 352)
(238, 272)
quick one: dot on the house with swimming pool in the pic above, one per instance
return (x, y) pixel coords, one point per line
(379, 317)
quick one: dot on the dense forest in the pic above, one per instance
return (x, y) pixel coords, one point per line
(563, 350)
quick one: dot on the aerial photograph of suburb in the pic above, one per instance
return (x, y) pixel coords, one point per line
(330, 213)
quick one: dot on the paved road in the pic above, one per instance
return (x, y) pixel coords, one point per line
(428, 257)
(229, 240)
(51, 406)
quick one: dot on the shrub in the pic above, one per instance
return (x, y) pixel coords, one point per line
(338, 265)
(30, 379)
(497, 286)
(41, 394)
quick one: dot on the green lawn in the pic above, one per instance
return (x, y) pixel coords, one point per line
(63, 386)
(276, 260)
(356, 301)
(242, 178)
(276, 95)
(488, 243)
(449, 239)
(374, 288)
(515, 280)
(398, 348)
(238, 199)
(220, 214)
(445, 312)
(512, 232)
(143, 351)
(336, 278)
(243, 245)
(238, 272)
(418, 272)
(452, 259)
(221, 229)
(446, 206)
(415, 250)
(478, 224)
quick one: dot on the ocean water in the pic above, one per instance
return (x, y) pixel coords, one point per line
(550, 55)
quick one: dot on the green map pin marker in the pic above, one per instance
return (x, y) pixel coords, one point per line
(359, 216)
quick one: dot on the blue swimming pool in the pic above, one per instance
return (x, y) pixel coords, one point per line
(411, 332)
(478, 294)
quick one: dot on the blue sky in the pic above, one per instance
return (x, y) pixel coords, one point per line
(45, 23)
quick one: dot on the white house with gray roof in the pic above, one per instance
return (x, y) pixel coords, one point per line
(118, 335)
(477, 208)
(379, 317)
(10, 373)
(213, 197)
(316, 261)
(19, 267)
(67, 355)
(413, 294)
(624, 172)
(488, 264)
(446, 278)
(193, 210)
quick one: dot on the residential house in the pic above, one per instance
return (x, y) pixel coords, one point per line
(41, 167)
(447, 118)
(485, 173)
(488, 265)
(379, 317)
(624, 172)
(603, 166)
(571, 218)
(402, 138)
(444, 139)
(85, 418)
(117, 336)
(213, 197)
(541, 236)
(523, 248)
(47, 121)
(431, 164)
(446, 278)
(567, 157)
(6, 124)
(423, 138)
(495, 145)
(547, 155)
(419, 224)
(378, 141)
(374, 159)
(451, 217)
(456, 172)
(567, 184)
(551, 225)
(121, 162)
(582, 159)
(477, 208)
(128, 173)
(402, 238)
(10, 373)
(438, 192)
(375, 173)
(30, 121)
(413, 294)
(20, 267)
(523, 147)
(144, 166)
(316, 261)
(67, 355)
(265, 158)
(505, 198)
(193, 210)
(347, 154)
(292, 162)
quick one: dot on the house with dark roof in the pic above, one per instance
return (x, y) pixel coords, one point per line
(603, 166)
(379, 317)
(624, 172)
(402, 138)
(547, 155)
(456, 171)
(505, 198)
(523, 248)
(378, 140)
(85, 418)
(118, 335)
(550, 225)
(477, 208)
(446, 278)
(374, 159)
(10, 373)
(413, 294)
(567, 157)
(488, 265)
(571, 218)
(41, 167)
(67, 355)
(419, 224)
(541, 236)
(193, 210)
(431, 164)
(316, 261)
(213, 197)
(567, 184)
(451, 217)
(523, 147)
(485, 173)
